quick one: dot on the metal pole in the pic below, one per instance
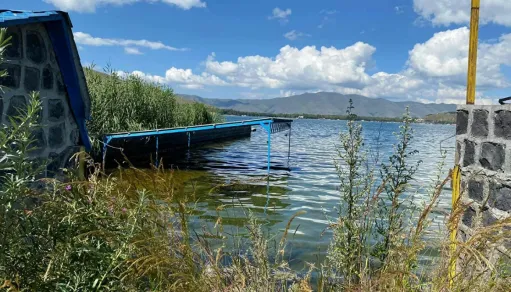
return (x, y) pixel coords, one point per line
(157, 159)
(289, 147)
(472, 52)
(105, 147)
(269, 149)
(456, 183)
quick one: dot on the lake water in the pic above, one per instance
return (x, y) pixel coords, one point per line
(233, 175)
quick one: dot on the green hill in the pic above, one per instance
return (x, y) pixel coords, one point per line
(326, 103)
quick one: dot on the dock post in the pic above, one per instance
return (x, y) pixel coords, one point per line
(157, 159)
(105, 147)
(289, 148)
(189, 139)
(269, 150)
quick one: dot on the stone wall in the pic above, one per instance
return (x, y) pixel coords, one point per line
(483, 149)
(31, 65)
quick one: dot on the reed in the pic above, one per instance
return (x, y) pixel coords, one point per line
(122, 103)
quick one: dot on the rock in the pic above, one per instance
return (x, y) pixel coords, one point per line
(36, 49)
(475, 190)
(468, 217)
(47, 77)
(503, 124)
(488, 218)
(500, 198)
(32, 79)
(56, 135)
(15, 49)
(480, 124)
(493, 156)
(12, 80)
(56, 110)
(469, 155)
(461, 122)
(17, 103)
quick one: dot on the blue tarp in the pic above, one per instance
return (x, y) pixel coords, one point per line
(58, 26)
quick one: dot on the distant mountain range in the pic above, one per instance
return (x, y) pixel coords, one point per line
(326, 103)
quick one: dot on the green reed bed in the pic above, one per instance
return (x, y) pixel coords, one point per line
(129, 103)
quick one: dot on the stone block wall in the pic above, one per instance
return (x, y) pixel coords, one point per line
(31, 66)
(483, 150)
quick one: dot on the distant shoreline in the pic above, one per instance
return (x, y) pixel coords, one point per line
(332, 117)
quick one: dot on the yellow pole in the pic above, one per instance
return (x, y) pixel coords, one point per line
(472, 52)
(456, 183)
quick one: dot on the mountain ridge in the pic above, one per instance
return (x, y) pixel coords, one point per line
(326, 103)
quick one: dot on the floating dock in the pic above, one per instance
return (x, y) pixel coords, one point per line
(145, 147)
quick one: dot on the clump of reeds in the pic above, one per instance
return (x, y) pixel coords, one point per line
(130, 103)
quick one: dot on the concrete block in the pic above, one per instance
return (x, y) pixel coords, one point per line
(493, 156)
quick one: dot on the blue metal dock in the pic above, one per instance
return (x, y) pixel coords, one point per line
(161, 141)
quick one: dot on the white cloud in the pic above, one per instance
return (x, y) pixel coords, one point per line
(328, 12)
(280, 14)
(82, 38)
(179, 77)
(91, 5)
(293, 35)
(186, 4)
(399, 9)
(445, 56)
(445, 12)
(294, 68)
(328, 16)
(435, 71)
(132, 51)
(220, 68)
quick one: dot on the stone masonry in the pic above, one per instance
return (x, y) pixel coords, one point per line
(483, 150)
(31, 65)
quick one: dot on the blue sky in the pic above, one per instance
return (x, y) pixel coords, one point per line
(395, 49)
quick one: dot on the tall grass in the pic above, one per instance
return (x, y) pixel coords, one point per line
(129, 103)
